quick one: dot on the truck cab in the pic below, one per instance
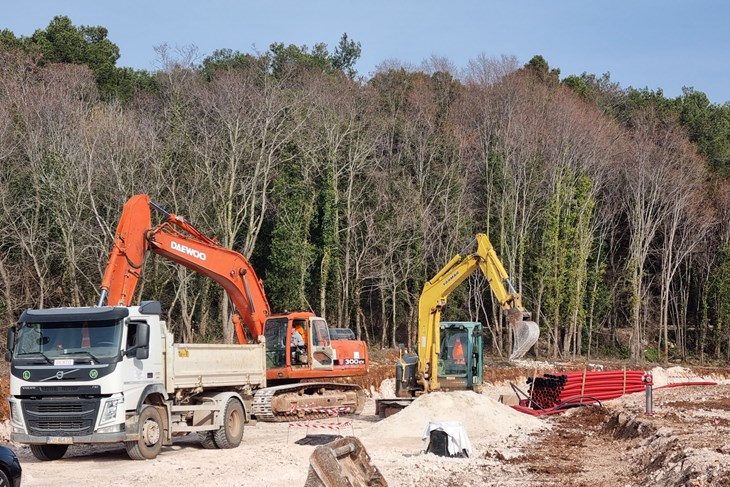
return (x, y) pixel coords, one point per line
(113, 374)
(74, 372)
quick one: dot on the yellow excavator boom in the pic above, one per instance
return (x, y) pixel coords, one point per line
(436, 291)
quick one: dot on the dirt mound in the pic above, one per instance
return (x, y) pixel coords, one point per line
(623, 427)
(668, 462)
(481, 416)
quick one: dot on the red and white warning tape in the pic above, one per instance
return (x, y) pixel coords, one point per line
(329, 426)
(330, 411)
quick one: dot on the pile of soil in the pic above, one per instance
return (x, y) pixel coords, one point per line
(481, 416)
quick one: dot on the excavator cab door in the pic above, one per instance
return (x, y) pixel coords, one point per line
(275, 332)
(322, 353)
(460, 364)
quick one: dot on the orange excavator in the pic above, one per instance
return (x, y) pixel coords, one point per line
(291, 366)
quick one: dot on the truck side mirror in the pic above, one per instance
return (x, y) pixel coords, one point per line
(10, 344)
(143, 341)
(140, 349)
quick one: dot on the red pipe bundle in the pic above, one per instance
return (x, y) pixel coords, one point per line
(551, 390)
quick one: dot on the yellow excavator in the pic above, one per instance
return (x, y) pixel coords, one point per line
(450, 353)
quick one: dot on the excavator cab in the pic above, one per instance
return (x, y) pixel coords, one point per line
(460, 365)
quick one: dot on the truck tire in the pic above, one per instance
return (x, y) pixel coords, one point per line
(149, 444)
(207, 440)
(229, 435)
(48, 452)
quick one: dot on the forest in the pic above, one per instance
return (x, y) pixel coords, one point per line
(607, 205)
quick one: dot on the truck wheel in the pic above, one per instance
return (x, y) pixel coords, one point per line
(207, 440)
(229, 435)
(149, 443)
(48, 452)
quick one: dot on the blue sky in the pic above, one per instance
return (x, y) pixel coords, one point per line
(643, 43)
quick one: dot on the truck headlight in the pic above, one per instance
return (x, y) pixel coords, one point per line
(109, 413)
(15, 415)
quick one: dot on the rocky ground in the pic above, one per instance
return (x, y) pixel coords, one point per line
(685, 442)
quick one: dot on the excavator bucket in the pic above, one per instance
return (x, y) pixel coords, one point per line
(524, 336)
(343, 463)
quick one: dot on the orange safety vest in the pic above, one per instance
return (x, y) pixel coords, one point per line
(458, 353)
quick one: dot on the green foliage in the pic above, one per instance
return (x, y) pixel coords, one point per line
(561, 263)
(292, 253)
(709, 128)
(602, 91)
(346, 55)
(392, 89)
(127, 82)
(708, 124)
(285, 59)
(328, 231)
(540, 67)
(8, 41)
(427, 159)
(719, 300)
(225, 59)
(652, 355)
(62, 42)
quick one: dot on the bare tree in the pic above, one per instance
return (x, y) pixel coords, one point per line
(686, 223)
(646, 175)
(243, 120)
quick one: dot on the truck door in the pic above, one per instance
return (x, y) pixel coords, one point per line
(319, 343)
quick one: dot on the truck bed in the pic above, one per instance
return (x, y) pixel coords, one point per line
(215, 365)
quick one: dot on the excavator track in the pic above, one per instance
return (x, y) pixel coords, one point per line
(309, 400)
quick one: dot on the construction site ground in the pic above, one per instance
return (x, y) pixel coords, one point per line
(685, 442)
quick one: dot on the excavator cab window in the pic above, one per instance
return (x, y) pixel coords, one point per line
(275, 331)
(454, 351)
(320, 333)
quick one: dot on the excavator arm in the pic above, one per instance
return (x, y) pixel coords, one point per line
(180, 242)
(435, 294)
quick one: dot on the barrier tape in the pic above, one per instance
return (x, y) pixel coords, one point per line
(329, 426)
(330, 411)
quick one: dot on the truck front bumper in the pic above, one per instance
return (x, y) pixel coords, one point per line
(72, 440)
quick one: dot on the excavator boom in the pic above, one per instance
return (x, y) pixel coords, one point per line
(435, 294)
(287, 364)
(180, 242)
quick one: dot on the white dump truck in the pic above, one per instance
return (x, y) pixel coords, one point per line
(114, 374)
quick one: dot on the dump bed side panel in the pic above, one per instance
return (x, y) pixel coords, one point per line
(214, 365)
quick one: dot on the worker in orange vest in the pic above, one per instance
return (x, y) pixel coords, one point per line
(457, 353)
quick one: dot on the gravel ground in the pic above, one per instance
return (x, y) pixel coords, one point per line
(685, 442)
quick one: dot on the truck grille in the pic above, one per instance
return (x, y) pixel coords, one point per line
(60, 417)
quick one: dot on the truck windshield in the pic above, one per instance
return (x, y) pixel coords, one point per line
(90, 339)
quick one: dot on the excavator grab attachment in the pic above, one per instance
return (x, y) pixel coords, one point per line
(524, 336)
(343, 463)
